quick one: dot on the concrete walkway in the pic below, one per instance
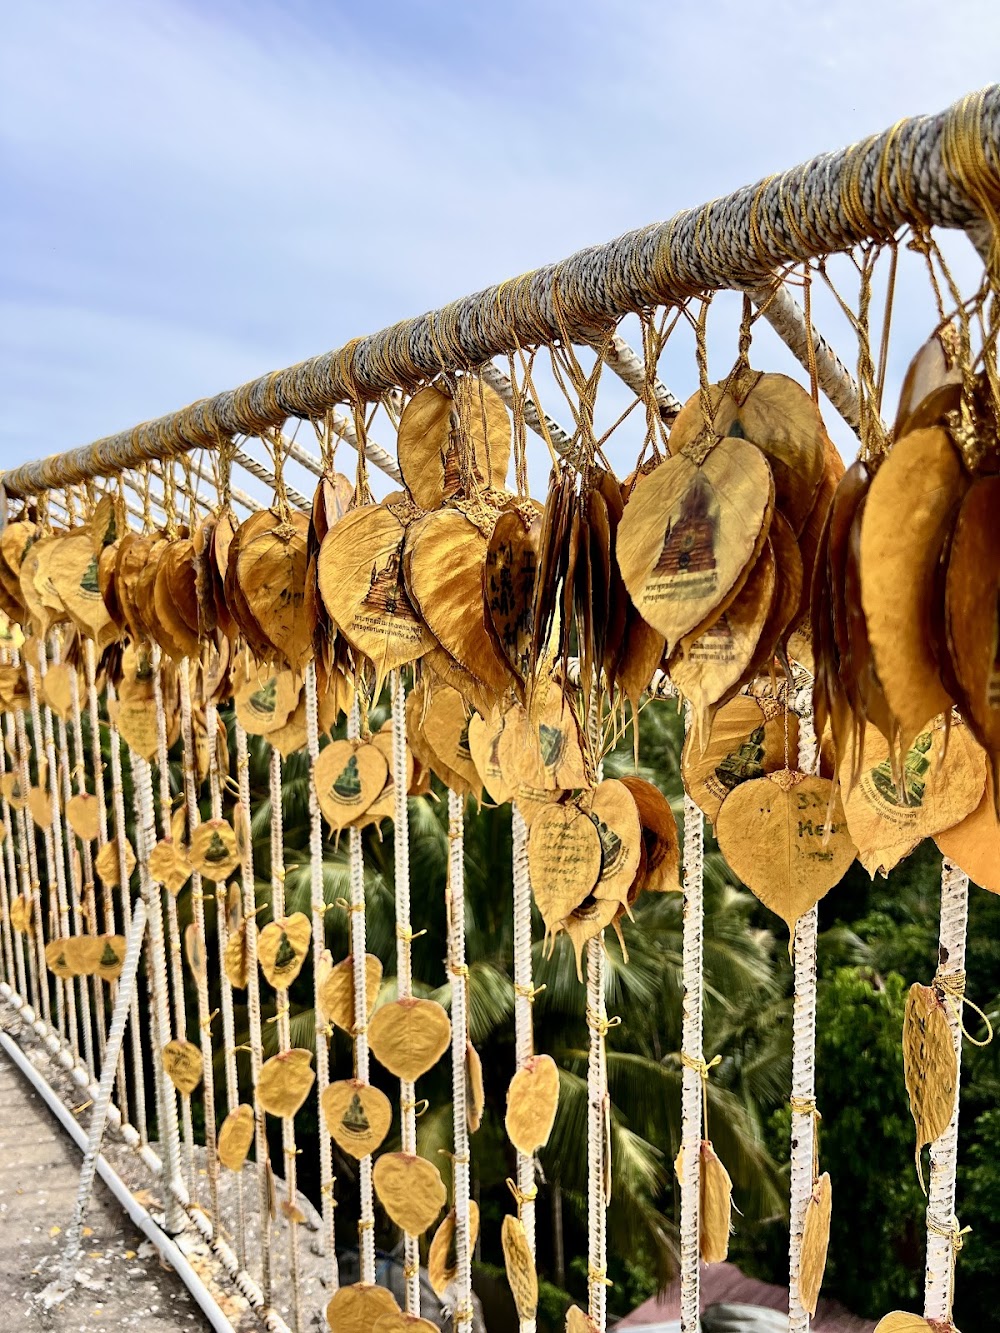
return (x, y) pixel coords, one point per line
(121, 1284)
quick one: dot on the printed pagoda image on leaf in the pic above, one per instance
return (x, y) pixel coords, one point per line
(689, 541)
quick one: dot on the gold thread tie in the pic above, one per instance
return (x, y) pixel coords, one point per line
(347, 906)
(280, 1012)
(320, 908)
(698, 1064)
(521, 1197)
(803, 1105)
(418, 1108)
(528, 992)
(410, 1271)
(601, 1024)
(407, 934)
(366, 1224)
(599, 1276)
(206, 1023)
(950, 987)
(459, 969)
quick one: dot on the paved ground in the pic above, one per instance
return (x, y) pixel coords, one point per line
(121, 1284)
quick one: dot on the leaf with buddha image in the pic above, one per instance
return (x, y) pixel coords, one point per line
(110, 957)
(282, 947)
(614, 814)
(691, 533)
(361, 583)
(213, 850)
(743, 744)
(452, 441)
(484, 745)
(357, 1117)
(540, 746)
(349, 777)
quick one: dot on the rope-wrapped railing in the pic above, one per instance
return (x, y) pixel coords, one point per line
(910, 174)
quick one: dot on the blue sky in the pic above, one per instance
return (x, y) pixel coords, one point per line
(194, 193)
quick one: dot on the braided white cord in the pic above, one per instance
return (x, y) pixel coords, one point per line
(319, 944)
(166, 1100)
(366, 1219)
(459, 1055)
(62, 840)
(75, 779)
(803, 1091)
(36, 944)
(12, 938)
(198, 917)
(44, 743)
(598, 1100)
(284, 1030)
(118, 791)
(138, 1084)
(691, 1047)
(404, 979)
(225, 985)
(253, 1013)
(6, 926)
(174, 954)
(941, 1252)
(524, 1045)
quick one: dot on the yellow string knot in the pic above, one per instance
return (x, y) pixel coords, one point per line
(418, 1108)
(521, 1197)
(950, 1230)
(366, 1224)
(600, 1023)
(324, 1030)
(292, 1152)
(803, 1105)
(346, 906)
(459, 969)
(320, 908)
(280, 1012)
(599, 1276)
(410, 1271)
(950, 989)
(206, 1023)
(528, 992)
(697, 1063)
(407, 934)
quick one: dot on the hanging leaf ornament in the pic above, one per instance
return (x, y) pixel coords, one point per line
(901, 1322)
(282, 947)
(182, 1061)
(357, 1308)
(357, 1116)
(110, 957)
(267, 565)
(349, 778)
(213, 850)
(336, 993)
(170, 865)
(284, 1082)
(520, 1264)
(409, 1036)
(532, 1100)
(930, 1066)
(579, 1322)
(398, 1322)
(744, 743)
(786, 837)
(974, 843)
(941, 780)
(264, 701)
(410, 1190)
(453, 439)
(815, 1242)
(691, 531)
(659, 868)
(475, 1091)
(235, 1137)
(442, 1261)
(84, 816)
(509, 583)
(908, 515)
(564, 859)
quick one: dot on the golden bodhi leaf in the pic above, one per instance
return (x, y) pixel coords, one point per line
(690, 534)
(349, 778)
(930, 1065)
(564, 860)
(579, 1322)
(585, 923)
(285, 1081)
(357, 1116)
(213, 850)
(520, 1264)
(361, 583)
(408, 1037)
(908, 513)
(235, 1137)
(10, 784)
(972, 599)
(265, 704)
(194, 952)
(84, 815)
(111, 959)
(40, 805)
(777, 415)
(446, 722)
(444, 435)
(541, 747)
(815, 1242)
(182, 1061)
(442, 1261)
(107, 863)
(236, 959)
(281, 948)
(170, 865)
(356, 1309)
(57, 957)
(484, 746)
(398, 1322)
(786, 839)
(716, 1207)
(943, 777)
(509, 583)
(271, 573)
(901, 1322)
(410, 1190)
(72, 572)
(743, 744)
(444, 563)
(532, 1099)
(659, 871)
(974, 844)
(336, 992)
(475, 1091)
(613, 812)
(705, 665)
(57, 689)
(20, 914)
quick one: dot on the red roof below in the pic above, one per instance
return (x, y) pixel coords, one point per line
(725, 1284)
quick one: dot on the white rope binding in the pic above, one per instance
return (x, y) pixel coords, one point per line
(691, 1047)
